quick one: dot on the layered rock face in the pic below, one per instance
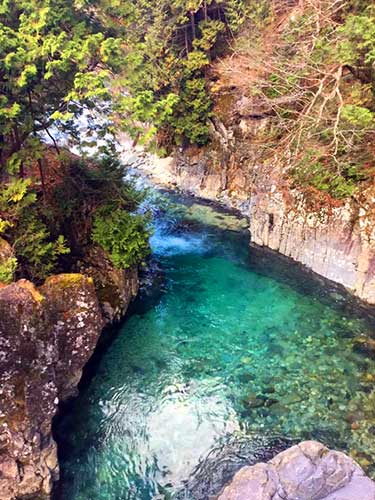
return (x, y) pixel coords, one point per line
(308, 471)
(47, 335)
(334, 239)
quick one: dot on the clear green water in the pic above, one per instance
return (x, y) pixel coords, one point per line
(229, 342)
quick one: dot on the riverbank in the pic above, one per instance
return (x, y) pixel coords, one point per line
(190, 237)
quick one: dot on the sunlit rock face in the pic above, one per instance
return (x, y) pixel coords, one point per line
(46, 337)
(305, 471)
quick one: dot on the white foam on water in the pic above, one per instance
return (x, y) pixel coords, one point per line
(172, 244)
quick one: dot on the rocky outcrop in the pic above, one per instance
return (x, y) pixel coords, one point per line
(115, 287)
(337, 242)
(308, 470)
(335, 239)
(47, 335)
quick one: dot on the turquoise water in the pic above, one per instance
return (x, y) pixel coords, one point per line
(228, 343)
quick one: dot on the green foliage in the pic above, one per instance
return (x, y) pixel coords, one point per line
(122, 235)
(357, 46)
(35, 249)
(4, 225)
(209, 31)
(88, 186)
(194, 108)
(7, 270)
(319, 85)
(358, 116)
(169, 46)
(319, 172)
(50, 56)
(55, 61)
(236, 12)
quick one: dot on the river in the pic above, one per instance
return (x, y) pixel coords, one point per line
(231, 355)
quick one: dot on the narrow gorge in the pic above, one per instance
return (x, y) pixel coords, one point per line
(335, 239)
(187, 250)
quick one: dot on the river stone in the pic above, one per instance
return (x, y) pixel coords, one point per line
(308, 470)
(229, 455)
(46, 337)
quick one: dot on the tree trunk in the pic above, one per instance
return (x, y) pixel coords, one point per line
(42, 179)
(192, 20)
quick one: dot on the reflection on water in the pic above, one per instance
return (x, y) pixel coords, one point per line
(235, 356)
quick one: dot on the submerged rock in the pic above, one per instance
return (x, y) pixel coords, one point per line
(364, 344)
(308, 470)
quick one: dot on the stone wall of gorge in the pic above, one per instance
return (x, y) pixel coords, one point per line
(47, 335)
(335, 239)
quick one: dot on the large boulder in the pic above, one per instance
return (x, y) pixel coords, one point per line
(46, 337)
(307, 471)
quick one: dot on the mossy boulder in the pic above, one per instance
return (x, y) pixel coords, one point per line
(73, 308)
(28, 392)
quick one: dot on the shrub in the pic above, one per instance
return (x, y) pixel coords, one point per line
(124, 236)
(7, 270)
(38, 253)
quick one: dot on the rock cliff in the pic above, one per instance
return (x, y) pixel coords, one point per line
(336, 239)
(47, 335)
(305, 471)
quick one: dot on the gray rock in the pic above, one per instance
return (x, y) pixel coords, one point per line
(307, 471)
(46, 337)
(115, 287)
